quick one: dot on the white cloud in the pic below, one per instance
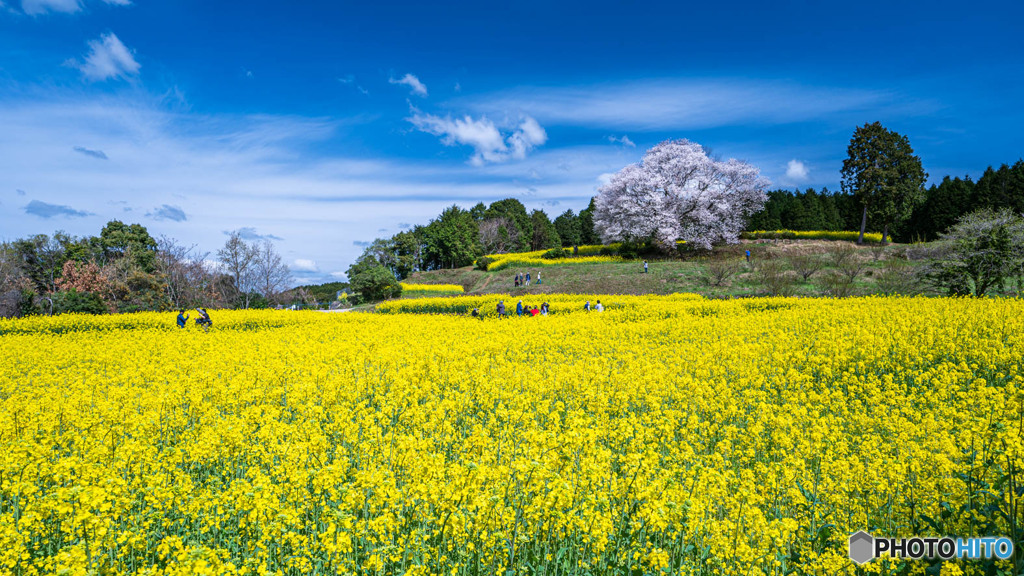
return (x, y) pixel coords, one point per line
(488, 141)
(624, 140)
(672, 104)
(36, 7)
(605, 178)
(797, 171)
(265, 176)
(418, 88)
(304, 265)
(108, 58)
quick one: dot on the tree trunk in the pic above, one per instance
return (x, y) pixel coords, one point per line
(885, 233)
(863, 225)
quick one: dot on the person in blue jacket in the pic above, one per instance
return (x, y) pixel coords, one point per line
(182, 318)
(519, 308)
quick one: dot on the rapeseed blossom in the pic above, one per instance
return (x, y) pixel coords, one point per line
(666, 435)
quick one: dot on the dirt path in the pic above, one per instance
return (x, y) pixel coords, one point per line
(487, 281)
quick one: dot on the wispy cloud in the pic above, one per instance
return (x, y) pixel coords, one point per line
(797, 171)
(108, 58)
(305, 265)
(249, 233)
(624, 140)
(416, 87)
(20, 192)
(659, 105)
(168, 212)
(350, 80)
(361, 243)
(36, 7)
(487, 140)
(45, 210)
(291, 179)
(88, 152)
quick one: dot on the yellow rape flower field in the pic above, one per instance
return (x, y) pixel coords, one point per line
(665, 435)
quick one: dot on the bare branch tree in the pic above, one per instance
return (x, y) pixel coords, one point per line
(187, 274)
(272, 275)
(806, 264)
(237, 258)
(498, 235)
(717, 272)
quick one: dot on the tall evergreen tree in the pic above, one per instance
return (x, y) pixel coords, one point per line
(451, 240)
(568, 227)
(884, 175)
(544, 233)
(587, 233)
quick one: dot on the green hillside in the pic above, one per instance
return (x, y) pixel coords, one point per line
(771, 270)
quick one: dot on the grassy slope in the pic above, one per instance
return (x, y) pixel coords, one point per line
(665, 277)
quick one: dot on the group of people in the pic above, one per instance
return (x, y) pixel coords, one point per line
(543, 310)
(203, 320)
(523, 279)
(521, 310)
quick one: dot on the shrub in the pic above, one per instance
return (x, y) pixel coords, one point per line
(556, 254)
(897, 277)
(73, 301)
(484, 262)
(836, 284)
(718, 272)
(978, 253)
(774, 278)
(840, 254)
(376, 283)
(806, 264)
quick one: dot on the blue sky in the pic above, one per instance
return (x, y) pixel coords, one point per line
(323, 125)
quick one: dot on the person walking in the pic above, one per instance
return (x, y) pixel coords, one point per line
(501, 309)
(748, 256)
(599, 307)
(527, 278)
(645, 266)
(538, 278)
(182, 318)
(519, 308)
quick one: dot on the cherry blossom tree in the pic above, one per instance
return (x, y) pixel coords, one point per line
(678, 192)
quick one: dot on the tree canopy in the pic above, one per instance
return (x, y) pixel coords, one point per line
(679, 192)
(884, 175)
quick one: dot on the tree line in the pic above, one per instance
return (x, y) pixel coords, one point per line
(942, 205)
(457, 237)
(125, 269)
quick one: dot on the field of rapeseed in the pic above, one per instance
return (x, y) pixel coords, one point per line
(664, 435)
(589, 254)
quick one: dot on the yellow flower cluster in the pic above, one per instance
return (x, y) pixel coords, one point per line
(417, 289)
(875, 237)
(584, 255)
(672, 435)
